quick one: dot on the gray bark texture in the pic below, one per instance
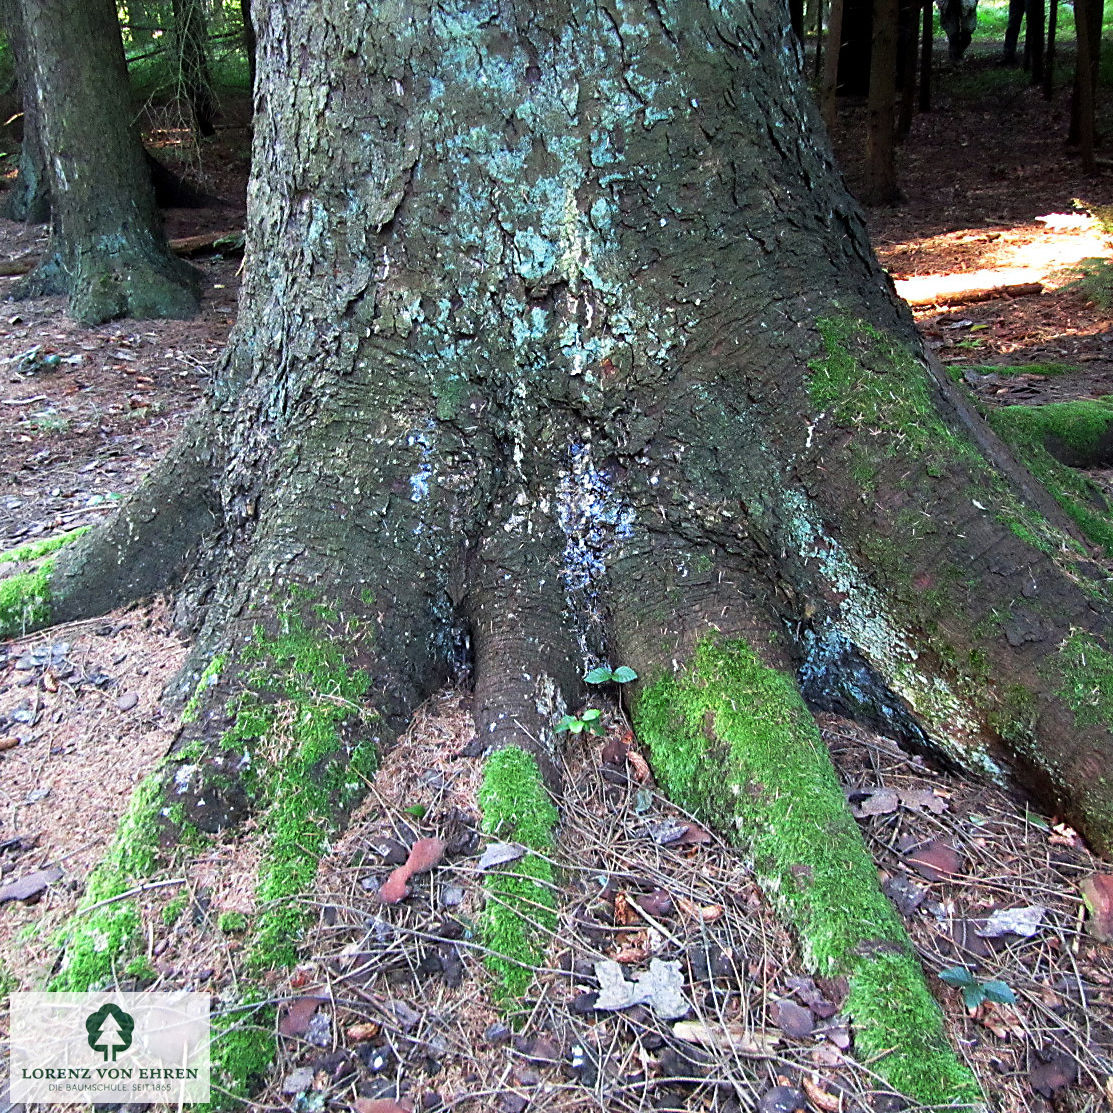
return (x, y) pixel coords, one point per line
(108, 250)
(562, 340)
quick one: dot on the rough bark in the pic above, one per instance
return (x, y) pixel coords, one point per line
(108, 250)
(28, 198)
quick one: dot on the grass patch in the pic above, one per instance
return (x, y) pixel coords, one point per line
(1050, 370)
(1096, 283)
(732, 740)
(1086, 671)
(520, 915)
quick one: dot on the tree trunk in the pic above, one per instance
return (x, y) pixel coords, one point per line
(881, 170)
(856, 47)
(1049, 60)
(1034, 40)
(828, 99)
(1087, 24)
(926, 50)
(28, 199)
(108, 250)
(192, 42)
(562, 341)
(248, 38)
(909, 42)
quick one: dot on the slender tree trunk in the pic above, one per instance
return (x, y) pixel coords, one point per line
(248, 38)
(856, 48)
(108, 250)
(796, 19)
(1034, 40)
(909, 41)
(192, 42)
(926, 51)
(820, 11)
(1049, 60)
(829, 99)
(28, 198)
(881, 171)
(1087, 20)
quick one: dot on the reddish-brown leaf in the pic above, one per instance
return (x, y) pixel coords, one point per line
(424, 855)
(614, 751)
(936, 860)
(1097, 892)
(380, 1105)
(1060, 1071)
(298, 1012)
(794, 1020)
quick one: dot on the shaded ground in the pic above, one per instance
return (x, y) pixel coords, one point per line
(391, 1001)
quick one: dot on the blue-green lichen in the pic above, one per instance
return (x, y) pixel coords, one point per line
(520, 915)
(732, 740)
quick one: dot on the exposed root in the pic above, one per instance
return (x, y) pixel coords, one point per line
(732, 740)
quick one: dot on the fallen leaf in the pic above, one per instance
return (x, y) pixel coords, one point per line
(1013, 921)
(297, 1015)
(922, 799)
(693, 835)
(631, 954)
(380, 1105)
(638, 764)
(1097, 892)
(819, 1097)
(727, 1037)
(870, 802)
(936, 860)
(811, 995)
(613, 752)
(365, 1031)
(8, 743)
(424, 855)
(499, 853)
(1058, 1072)
(794, 1020)
(661, 986)
(657, 903)
(29, 885)
(624, 915)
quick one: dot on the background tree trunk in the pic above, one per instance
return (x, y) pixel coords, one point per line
(108, 250)
(881, 170)
(192, 42)
(28, 198)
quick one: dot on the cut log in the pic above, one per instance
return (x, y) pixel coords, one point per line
(960, 290)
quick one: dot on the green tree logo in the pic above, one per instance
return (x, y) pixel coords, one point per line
(110, 1030)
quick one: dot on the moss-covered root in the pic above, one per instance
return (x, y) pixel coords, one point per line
(520, 915)
(25, 594)
(731, 739)
(106, 929)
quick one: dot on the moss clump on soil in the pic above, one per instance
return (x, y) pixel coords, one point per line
(242, 1051)
(1096, 283)
(174, 909)
(25, 600)
(867, 382)
(33, 550)
(105, 928)
(1049, 370)
(520, 915)
(732, 740)
(1080, 430)
(210, 675)
(232, 923)
(1086, 674)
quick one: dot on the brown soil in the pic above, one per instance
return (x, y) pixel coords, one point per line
(81, 705)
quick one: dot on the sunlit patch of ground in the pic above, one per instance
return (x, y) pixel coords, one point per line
(1046, 251)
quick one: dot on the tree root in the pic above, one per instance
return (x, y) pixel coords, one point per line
(731, 740)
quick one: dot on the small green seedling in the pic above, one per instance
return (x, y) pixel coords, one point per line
(604, 674)
(974, 992)
(589, 721)
(417, 811)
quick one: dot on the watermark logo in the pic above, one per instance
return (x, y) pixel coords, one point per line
(139, 1048)
(110, 1030)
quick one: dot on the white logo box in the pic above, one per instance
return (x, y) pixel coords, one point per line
(141, 1048)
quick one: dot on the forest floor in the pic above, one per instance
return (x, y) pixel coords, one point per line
(390, 1002)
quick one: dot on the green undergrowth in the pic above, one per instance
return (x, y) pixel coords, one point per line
(103, 933)
(1080, 430)
(1096, 283)
(1048, 370)
(732, 740)
(25, 596)
(242, 1049)
(520, 914)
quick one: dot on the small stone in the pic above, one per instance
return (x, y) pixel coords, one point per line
(451, 896)
(319, 1030)
(127, 701)
(297, 1081)
(782, 1099)
(497, 1033)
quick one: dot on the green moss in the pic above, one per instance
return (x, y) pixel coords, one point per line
(520, 915)
(33, 550)
(232, 923)
(25, 600)
(141, 970)
(99, 935)
(304, 772)
(9, 983)
(1096, 282)
(1086, 680)
(732, 740)
(1077, 427)
(867, 382)
(174, 909)
(242, 1050)
(208, 679)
